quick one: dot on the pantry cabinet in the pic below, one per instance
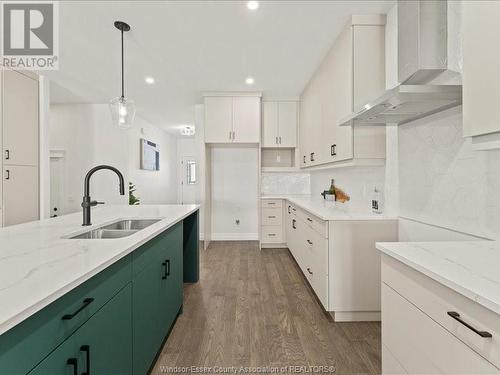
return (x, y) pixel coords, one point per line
(232, 119)
(352, 73)
(279, 125)
(481, 75)
(20, 194)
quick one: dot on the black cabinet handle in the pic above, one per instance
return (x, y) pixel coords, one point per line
(309, 242)
(276, 140)
(309, 270)
(166, 264)
(304, 159)
(86, 350)
(333, 150)
(271, 234)
(280, 139)
(456, 316)
(293, 224)
(7, 154)
(86, 302)
(73, 362)
(7, 172)
(289, 209)
(271, 217)
(309, 220)
(312, 156)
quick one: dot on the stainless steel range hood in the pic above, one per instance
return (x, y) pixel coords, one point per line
(422, 55)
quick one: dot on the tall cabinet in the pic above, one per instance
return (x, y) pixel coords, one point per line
(20, 147)
(352, 73)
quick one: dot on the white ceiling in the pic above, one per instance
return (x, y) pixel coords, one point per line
(194, 46)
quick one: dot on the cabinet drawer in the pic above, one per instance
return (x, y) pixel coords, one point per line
(315, 223)
(436, 300)
(421, 345)
(272, 234)
(271, 216)
(28, 343)
(317, 264)
(272, 203)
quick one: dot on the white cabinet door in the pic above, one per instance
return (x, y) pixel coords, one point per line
(481, 73)
(270, 124)
(304, 128)
(20, 119)
(287, 124)
(218, 119)
(20, 194)
(246, 119)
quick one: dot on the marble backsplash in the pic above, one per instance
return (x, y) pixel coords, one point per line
(285, 183)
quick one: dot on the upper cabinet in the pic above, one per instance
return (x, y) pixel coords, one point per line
(232, 119)
(481, 72)
(279, 124)
(352, 73)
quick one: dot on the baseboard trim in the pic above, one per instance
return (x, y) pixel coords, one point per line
(235, 236)
(273, 246)
(356, 316)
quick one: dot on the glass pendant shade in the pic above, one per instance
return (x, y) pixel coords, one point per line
(122, 112)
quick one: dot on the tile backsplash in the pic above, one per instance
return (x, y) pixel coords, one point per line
(285, 183)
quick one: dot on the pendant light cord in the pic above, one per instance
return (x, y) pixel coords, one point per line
(123, 70)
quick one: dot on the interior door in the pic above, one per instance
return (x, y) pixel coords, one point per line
(287, 124)
(20, 194)
(246, 119)
(20, 119)
(218, 119)
(270, 124)
(188, 180)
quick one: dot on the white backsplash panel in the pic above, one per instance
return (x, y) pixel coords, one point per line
(285, 183)
(443, 181)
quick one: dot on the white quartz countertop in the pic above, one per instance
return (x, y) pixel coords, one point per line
(38, 265)
(470, 268)
(327, 210)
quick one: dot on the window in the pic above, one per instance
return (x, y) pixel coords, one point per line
(191, 172)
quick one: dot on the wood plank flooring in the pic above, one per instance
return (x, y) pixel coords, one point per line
(253, 308)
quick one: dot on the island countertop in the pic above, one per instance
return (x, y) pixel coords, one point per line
(469, 268)
(38, 264)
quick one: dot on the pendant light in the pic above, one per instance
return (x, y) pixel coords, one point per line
(122, 109)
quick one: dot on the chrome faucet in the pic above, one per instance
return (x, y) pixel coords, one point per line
(87, 204)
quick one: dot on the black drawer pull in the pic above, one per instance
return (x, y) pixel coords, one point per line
(333, 150)
(309, 270)
(166, 272)
(7, 154)
(271, 217)
(309, 220)
(271, 234)
(304, 159)
(7, 172)
(289, 209)
(86, 350)
(271, 203)
(309, 242)
(86, 302)
(456, 316)
(293, 224)
(73, 362)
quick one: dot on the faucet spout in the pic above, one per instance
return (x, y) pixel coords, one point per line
(87, 203)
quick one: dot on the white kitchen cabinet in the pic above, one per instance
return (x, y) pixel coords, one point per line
(352, 73)
(279, 124)
(20, 194)
(272, 223)
(232, 119)
(420, 334)
(20, 119)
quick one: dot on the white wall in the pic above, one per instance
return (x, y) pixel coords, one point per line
(88, 138)
(234, 192)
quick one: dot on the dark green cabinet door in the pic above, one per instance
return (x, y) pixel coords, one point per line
(105, 342)
(147, 337)
(171, 291)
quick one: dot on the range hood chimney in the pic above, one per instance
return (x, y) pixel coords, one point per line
(422, 55)
(422, 40)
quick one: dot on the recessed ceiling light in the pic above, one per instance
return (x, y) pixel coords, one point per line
(252, 5)
(149, 80)
(249, 81)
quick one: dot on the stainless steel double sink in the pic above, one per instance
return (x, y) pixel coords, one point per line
(118, 229)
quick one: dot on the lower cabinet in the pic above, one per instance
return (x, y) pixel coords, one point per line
(103, 345)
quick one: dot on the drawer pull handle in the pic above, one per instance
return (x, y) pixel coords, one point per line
(166, 264)
(293, 224)
(271, 203)
(309, 220)
(294, 209)
(272, 217)
(86, 302)
(289, 209)
(271, 234)
(456, 316)
(86, 350)
(309, 270)
(73, 362)
(309, 242)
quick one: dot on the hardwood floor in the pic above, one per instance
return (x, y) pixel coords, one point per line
(253, 308)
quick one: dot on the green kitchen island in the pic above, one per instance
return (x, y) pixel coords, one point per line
(75, 305)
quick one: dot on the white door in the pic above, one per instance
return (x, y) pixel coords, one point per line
(20, 194)
(270, 124)
(188, 180)
(287, 124)
(20, 119)
(218, 119)
(246, 119)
